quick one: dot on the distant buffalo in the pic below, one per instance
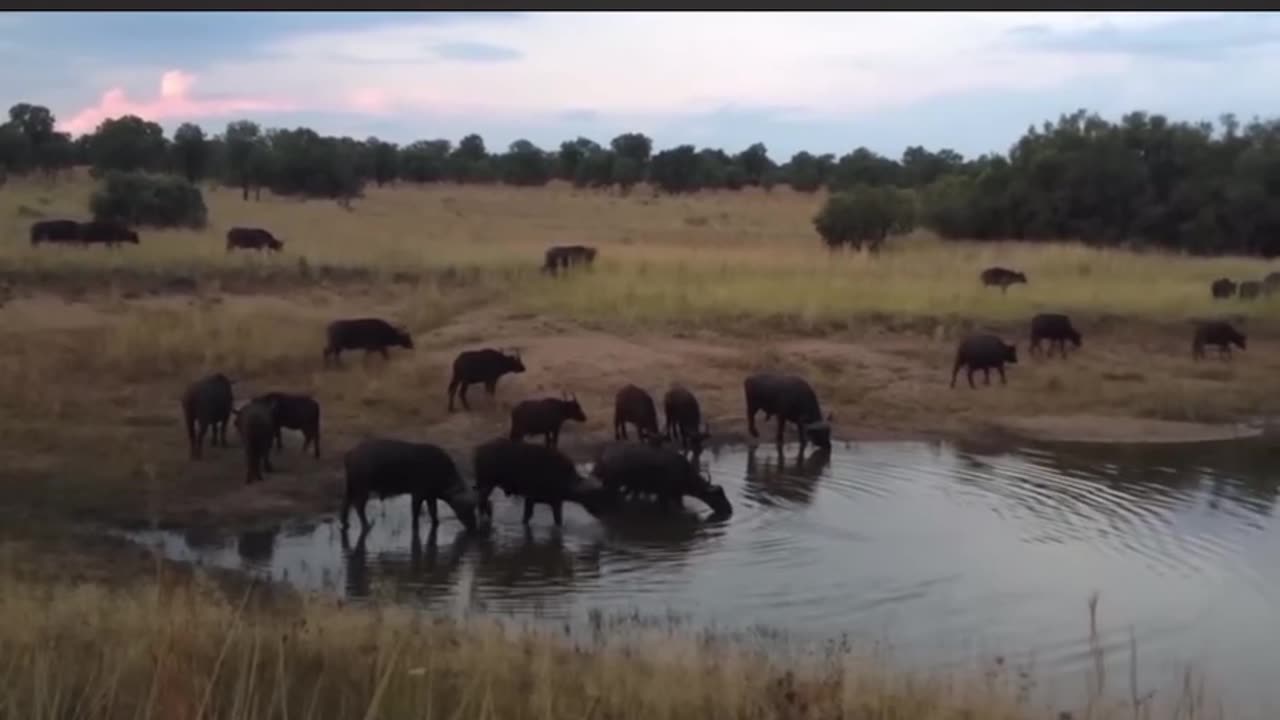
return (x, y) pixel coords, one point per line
(1216, 332)
(1271, 283)
(983, 352)
(1057, 329)
(1222, 288)
(1002, 278)
(106, 232)
(536, 473)
(56, 231)
(296, 412)
(252, 239)
(544, 417)
(480, 366)
(634, 405)
(1250, 290)
(256, 428)
(792, 399)
(642, 469)
(564, 256)
(386, 467)
(207, 403)
(684, 419)
(368, 334)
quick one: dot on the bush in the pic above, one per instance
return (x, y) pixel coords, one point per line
(143, 199)
(865, 215)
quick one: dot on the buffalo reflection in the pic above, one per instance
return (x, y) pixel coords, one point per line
(768, 482)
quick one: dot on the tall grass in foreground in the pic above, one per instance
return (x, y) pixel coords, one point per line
(177, 651)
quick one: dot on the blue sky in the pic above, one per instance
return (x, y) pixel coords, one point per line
(825, 82)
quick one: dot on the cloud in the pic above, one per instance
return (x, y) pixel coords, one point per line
(475, 51)
(174, 101)
(1189, 37)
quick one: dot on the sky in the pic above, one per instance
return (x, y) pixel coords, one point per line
(823, 82)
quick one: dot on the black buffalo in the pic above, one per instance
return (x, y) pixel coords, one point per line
(564, 256)
(296, 412)
(544, 417)
(256, 428)
(983, 352)
(1250, 289)
(1222, 288)
(1216, 332)
(387, 467)
(684, 419)
(480, 366)
(252, 239)
(791, 398)
(106, 232)
(634, 405)
(368, 334)
(642, 469)
(1057, 329)
(57, 231)
(536, 473)
(1002, 278)
(207, 403)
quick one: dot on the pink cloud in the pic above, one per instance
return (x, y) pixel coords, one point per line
(371, 100)
(174, 101)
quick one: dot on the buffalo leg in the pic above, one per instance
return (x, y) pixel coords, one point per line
(619, 430)
(280, 440)
(266, 459)
(1000, 368)
(315, 441)
(986, 375)
(751, 419)
(971, 385)
(557, 512)
(782, 427)
(801, 432)
(528, 511)
(462, 395)
(491, 387)
(383, 352)
(201, 429)
(453, 388)
(433, 511)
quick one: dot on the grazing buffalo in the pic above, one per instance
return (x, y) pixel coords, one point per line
(1057, 329)
(983, 352)
(386, 467)
(1002, 278)
(296, 412)
(642, 469)
(368, 334)
(790, 398)
(256, 428)
(1222, 288)
(684, 419)
(1271, 283)
(207, 403)
(1250, 289)
(544, 417)
(1216, 332)
(57, 231)
(106, 232)
(634, 405)
(564, 256)
(480, 366)
(252, 239)
(536, 473)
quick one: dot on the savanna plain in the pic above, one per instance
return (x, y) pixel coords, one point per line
(700, 290)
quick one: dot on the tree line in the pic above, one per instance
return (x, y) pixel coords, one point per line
(1144, 181)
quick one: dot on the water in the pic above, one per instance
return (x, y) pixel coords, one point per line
(945, 551)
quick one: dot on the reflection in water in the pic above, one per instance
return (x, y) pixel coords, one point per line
(946, 550)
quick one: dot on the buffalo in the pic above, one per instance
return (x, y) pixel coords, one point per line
(544, 417)
(684, 419)
(1002, 278)
(1057, 329)
(642, 469)
(536, 473)
(791, 398)
(564, 256)
(387, 467)
(1216, 332)
(480, 366)
(296, 412)
(106, 232)
(252, 239)
(57, 231)
(368, 334)
(1271, 283)
(207, 403)
(634, 405)
(255, 426)
(983, 352)
(1250, 289)
(1222, 288)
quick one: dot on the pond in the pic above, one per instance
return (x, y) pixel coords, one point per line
(946, 551)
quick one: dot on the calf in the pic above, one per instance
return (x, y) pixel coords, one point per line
(106, 232)
(252, 239)
(296, 412)
(642, 469)
(58, 231)
(1216, 332)
(368, 334)
(480, 366)
(536, 473)
(1250, 289)
(255, 426)
(983, 352)
(684, 419)
(790, 398)
(544, 417)
(1222, 288)
(386, 467)
(1057, 329)
(1002, 278)
(634, 405)
(207, 403)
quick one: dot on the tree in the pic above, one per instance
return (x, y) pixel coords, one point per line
(191, 152)
(864, 215)
(571, 155)
(425, 160)
(137, 198)
(525, 164)
(469, 162)
(595, 170)
(242, 139)
(128, 144)
(675, 170)
(754, 163)
(385, 160)
(633, 146)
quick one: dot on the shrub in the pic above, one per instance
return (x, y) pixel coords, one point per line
(864, 214)
(144, 199)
